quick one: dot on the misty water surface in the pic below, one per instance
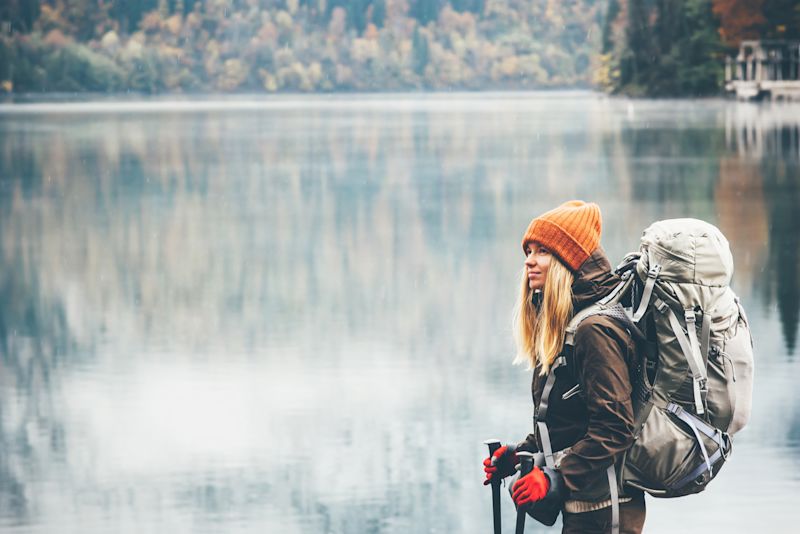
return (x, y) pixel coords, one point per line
(292, 315)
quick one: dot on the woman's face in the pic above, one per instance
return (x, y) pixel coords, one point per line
(537, 263)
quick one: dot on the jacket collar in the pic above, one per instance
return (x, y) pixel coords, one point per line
(593, 280)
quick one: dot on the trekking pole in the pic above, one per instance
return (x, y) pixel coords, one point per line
(494, 444)
(525, 467)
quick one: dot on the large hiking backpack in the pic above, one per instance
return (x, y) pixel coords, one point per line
(692, 380)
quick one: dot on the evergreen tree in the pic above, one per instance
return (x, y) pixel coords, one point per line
(21, 14)
(639, 54)
(129, 12)
(612, 13)
(425, 11)
(378, 12)
(672, 48)
(420, 51)
(473, 6)
(782, 19)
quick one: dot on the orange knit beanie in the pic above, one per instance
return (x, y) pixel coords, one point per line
(571, 231)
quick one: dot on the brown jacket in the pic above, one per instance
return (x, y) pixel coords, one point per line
(597, 425)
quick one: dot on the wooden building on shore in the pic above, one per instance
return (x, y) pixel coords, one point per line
(765, 69)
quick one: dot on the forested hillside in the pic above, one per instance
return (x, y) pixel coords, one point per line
(297, 45)
(635, 47)
(678, 47)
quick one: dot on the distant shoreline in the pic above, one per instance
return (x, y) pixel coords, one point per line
(380, 101)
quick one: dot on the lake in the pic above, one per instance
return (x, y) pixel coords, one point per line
(293, 314)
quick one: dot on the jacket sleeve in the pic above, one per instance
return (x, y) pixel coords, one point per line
(600, 356)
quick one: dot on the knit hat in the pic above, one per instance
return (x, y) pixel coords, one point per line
(571, 231)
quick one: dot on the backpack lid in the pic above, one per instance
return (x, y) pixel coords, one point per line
(688, 251)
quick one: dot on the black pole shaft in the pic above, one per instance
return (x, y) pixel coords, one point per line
(526, 464)
(493, 446)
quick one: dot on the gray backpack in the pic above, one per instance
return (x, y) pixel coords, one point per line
(693, 379)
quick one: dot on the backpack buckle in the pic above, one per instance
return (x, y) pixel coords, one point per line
(654, 270)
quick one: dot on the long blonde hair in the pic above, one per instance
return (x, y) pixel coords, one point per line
(539, 337)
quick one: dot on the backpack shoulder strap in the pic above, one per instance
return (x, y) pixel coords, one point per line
(608, 305)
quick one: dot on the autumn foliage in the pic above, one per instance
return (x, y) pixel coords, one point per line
(251, 46)
(739, 19)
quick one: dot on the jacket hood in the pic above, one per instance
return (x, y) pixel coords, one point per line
(593, 280)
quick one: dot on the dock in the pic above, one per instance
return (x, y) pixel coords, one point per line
(767, 69)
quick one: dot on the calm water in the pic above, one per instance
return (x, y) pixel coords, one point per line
(293, 315)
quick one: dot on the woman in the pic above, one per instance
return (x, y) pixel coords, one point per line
(589, 415)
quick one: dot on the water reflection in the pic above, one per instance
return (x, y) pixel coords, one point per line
(296, 319)
(766, 141)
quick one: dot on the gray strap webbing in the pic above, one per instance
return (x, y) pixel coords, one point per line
(611, 296)
(705, 336)
(699, 369)
(686, 346)
(612, 485)
(544, 403)
(575, 322)
(699, 470)
(701, 425)
(652, 276)
(544, 435)
(693, 424)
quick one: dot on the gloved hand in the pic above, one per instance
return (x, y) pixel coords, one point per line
(501, 464)
(530, 488)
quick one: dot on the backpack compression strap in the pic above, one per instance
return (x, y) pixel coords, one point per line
(652, 276)
(691, 349)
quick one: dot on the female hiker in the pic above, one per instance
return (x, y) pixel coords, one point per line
(585, 423)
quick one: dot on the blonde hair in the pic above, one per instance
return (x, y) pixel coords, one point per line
(539, 337)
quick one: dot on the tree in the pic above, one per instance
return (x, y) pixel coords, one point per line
(421, 51)
(782, 19)
(739, 19)
(129, 12)
(21, 14)
(425, 11)
(671, 48)
(639, 51)
(473, 6)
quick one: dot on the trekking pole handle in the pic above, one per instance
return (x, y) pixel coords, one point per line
(525, 462)
(494, 444)
(525, 467)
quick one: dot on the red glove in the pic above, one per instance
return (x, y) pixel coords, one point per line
(501, 464)
(530, 488)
